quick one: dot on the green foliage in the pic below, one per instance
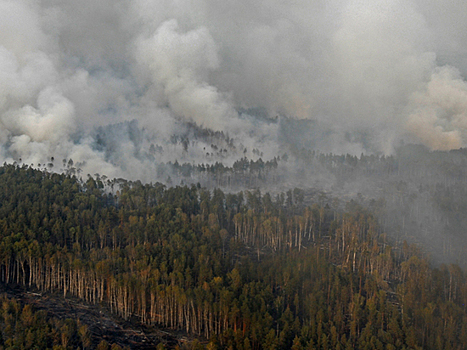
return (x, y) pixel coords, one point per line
(24, 328)
(245, 271)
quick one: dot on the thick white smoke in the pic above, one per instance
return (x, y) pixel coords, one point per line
(179, 65)
(369, 73)
(438, 115)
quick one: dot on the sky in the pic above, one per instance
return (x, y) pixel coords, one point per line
(371, 74)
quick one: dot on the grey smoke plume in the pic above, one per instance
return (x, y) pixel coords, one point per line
(367, 73)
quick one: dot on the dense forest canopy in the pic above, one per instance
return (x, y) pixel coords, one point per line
(247, 270)
(416, 194)
(256, 175)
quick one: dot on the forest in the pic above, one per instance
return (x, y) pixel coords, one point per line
(246, 270)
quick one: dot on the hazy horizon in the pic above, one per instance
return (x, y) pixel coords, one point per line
(366, 74)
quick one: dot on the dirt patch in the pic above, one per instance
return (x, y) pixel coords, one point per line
(101, 323)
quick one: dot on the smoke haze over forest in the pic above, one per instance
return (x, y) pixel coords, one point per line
(360, 76)
(255, 174)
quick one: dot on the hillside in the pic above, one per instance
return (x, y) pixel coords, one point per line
(235, 270)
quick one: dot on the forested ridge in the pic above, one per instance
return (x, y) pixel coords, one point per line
(241, 271)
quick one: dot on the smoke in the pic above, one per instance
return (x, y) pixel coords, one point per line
(364, 75)
(439, 117)
(179, 64)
